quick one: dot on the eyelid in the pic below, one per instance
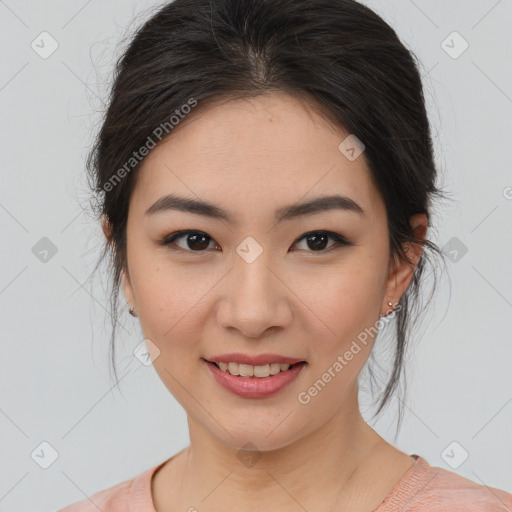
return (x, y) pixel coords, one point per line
(169, 239)
(340, 240)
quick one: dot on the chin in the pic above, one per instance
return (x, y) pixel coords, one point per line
(264, 439)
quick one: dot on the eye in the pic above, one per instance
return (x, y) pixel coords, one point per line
(194, 241)
(318, 240)
(198, 241)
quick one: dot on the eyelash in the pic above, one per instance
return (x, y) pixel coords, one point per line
(340, 241)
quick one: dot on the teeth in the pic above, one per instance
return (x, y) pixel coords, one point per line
(275, 368)
(248, 370)
(245, 370)
(261, 371)
(233, 368)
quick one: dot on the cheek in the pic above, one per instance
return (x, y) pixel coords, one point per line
(172, 309)
(168, 314)
(344, 302)
(342, 340)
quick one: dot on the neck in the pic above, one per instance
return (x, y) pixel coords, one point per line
(323, 463)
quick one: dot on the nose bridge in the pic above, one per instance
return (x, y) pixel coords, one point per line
(252, 278)
(255, 300)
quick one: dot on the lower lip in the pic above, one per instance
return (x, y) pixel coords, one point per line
(255, 387)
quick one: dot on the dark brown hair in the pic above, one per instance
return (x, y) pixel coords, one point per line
(338, 54)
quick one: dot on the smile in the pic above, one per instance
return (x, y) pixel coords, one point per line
(254, 381)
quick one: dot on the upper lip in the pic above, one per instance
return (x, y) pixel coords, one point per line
(256, 360)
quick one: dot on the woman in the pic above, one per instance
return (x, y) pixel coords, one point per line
(265, 178)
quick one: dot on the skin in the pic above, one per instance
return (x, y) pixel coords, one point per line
(251, 157)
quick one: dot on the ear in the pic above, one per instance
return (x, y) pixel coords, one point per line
(125, 280)
(107, 229)
(126, 285)
(401, 272)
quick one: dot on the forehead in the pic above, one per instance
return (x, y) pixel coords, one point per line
(270, 149)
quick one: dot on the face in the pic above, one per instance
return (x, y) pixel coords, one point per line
(303, 285)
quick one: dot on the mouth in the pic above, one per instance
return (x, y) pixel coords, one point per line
(255, 371)
(250, 381)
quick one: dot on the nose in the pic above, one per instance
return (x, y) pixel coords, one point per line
(255, 299)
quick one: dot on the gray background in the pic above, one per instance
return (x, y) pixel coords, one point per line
(54, 369)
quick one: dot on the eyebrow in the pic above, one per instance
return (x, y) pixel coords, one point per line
(199, 207)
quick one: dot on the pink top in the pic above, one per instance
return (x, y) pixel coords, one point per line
(423, 488)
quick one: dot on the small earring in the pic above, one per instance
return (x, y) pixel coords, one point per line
(131, 311)
(390, 304)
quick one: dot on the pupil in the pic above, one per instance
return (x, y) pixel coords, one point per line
(192, 239)
(317, 245)
(316, 242)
